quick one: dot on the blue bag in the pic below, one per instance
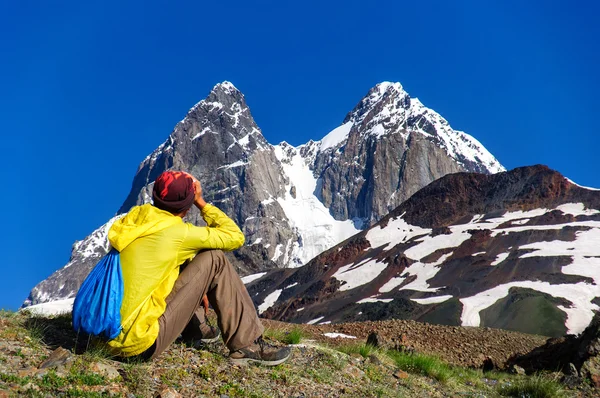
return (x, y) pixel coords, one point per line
(97, 306)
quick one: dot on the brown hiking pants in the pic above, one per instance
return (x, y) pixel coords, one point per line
(212, 274)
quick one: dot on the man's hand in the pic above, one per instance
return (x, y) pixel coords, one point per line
(198, 200)
(205, 303)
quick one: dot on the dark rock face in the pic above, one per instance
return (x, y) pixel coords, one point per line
(370, 173)
(573, 355)
(460, 195)
(391, 147)
(513, 250)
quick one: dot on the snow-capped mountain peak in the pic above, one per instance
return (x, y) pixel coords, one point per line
(294, 202)
(227, 87)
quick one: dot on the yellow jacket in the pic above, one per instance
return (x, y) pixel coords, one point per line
(153, 243)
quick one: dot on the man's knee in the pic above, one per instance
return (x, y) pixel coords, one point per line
(209, 256)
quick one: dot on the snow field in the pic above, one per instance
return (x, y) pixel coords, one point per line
(585, 252)
(359, 274)
(269, 301)
(335, 335)
(250, 278)
(57, 307)
(432, 300)
(318, 229)
(336, 136)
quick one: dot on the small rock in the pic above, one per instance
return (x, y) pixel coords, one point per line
(516, 369)
(60, 356)
(489, 364)
(572, 370)
(591, 370)
(108, 371)
(374, 360)
(27, 372)
(571, 381)
(354, 372)
(168, 393)
(400, 374)
(40, 373)
(374, 339)
(31, 387)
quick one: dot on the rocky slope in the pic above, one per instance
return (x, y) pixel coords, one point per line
(44, 357)
(294, 202)
(516, 250)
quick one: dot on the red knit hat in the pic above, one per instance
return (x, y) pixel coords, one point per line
(174, 191)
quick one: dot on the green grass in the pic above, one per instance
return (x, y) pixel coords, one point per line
(8, 378)
(138, 379)
(536, 386)
(364, 350)
(294, 336)
(97, 351)
(423, 365)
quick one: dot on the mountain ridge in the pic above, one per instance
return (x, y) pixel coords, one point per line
(451, 251)
(291, 202)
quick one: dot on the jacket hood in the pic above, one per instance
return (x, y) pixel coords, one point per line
(140, 221)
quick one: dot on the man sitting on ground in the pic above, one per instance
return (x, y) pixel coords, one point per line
(171, 269)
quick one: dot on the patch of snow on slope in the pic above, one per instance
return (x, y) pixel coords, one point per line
(335, 335)
(499, 258)
(374, 299)
(251, 278)
(269, 301)
(398, 231)
(57, 307)
(359, 274)
(581, 186)
(238, 163)
(392, 284)
(578, 316)
(336, 136)
(277, 253)
(313, 321)
(577, 209)
(317, 227)
(423, 272)
(395, 232)
(432, 300)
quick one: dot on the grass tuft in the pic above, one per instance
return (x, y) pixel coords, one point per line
(422, 364)
(294, 336)
(364, 350)
(536, 386)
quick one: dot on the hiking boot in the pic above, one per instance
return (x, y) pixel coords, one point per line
(261, 352)
(210, 334)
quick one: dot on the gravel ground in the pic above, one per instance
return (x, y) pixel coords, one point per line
(465, 346)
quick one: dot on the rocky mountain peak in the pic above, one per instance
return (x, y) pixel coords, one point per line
(385, 97)
(295, 202)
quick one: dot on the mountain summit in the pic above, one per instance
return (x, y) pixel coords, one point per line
(293, 202)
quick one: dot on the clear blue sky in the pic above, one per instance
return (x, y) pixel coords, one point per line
(88, 89)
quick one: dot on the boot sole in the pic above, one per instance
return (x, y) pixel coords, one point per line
(208, 341)
(245, 361)
(212, 339)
